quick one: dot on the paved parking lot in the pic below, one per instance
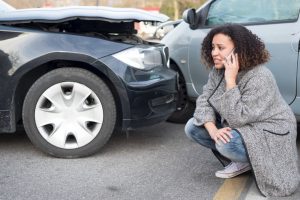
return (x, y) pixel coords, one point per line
(156, 162)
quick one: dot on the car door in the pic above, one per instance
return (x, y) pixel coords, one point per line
(275, 22)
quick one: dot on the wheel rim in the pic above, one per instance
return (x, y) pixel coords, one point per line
(69, 115)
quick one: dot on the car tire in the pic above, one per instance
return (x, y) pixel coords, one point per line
(185, 107)
(69, 113)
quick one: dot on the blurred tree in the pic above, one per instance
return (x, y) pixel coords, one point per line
(140, 3)
(25, 3)
(175, 8)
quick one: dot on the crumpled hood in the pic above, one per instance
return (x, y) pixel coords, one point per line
(61, 14)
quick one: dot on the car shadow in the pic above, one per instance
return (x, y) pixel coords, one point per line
(155, 136)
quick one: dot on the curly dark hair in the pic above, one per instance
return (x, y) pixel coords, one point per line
(249, 47)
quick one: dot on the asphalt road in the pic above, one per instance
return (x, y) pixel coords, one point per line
(156, 162)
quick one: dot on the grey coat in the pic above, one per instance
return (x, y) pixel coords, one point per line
(256, 109)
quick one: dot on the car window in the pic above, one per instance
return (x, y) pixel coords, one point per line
(249, 11)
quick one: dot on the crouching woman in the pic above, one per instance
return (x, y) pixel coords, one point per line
(241, 114)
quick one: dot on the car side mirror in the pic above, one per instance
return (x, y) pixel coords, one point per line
(190, 17)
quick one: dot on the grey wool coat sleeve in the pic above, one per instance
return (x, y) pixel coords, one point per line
(266, 123)
(204, 112)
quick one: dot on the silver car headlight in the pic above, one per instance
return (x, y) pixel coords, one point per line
(141, 58)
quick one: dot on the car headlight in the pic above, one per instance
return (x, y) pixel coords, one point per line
(141, 58)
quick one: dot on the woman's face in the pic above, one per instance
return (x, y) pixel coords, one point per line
(222, 46)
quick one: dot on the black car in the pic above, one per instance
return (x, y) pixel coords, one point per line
(73, 75)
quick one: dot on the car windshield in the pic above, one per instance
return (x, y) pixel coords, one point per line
(249, 11)
(5, 7)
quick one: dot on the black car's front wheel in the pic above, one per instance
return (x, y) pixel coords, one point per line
(69, 112)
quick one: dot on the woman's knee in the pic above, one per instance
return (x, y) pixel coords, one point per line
(234, 150)
(229, 146)
(188, 129)
(195, 132)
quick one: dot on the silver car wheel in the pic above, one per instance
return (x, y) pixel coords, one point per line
(69, 115)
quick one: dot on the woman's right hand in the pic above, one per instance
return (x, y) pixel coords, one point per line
(222, 134)
(231, 70)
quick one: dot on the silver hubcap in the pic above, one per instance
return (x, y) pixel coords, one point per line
(69, 115)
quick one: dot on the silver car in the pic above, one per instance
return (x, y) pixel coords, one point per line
(274, 21)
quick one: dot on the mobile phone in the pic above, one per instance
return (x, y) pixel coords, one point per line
(229, 55)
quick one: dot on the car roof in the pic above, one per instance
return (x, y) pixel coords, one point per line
(61, 14)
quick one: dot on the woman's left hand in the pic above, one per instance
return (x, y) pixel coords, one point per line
(231, 70)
